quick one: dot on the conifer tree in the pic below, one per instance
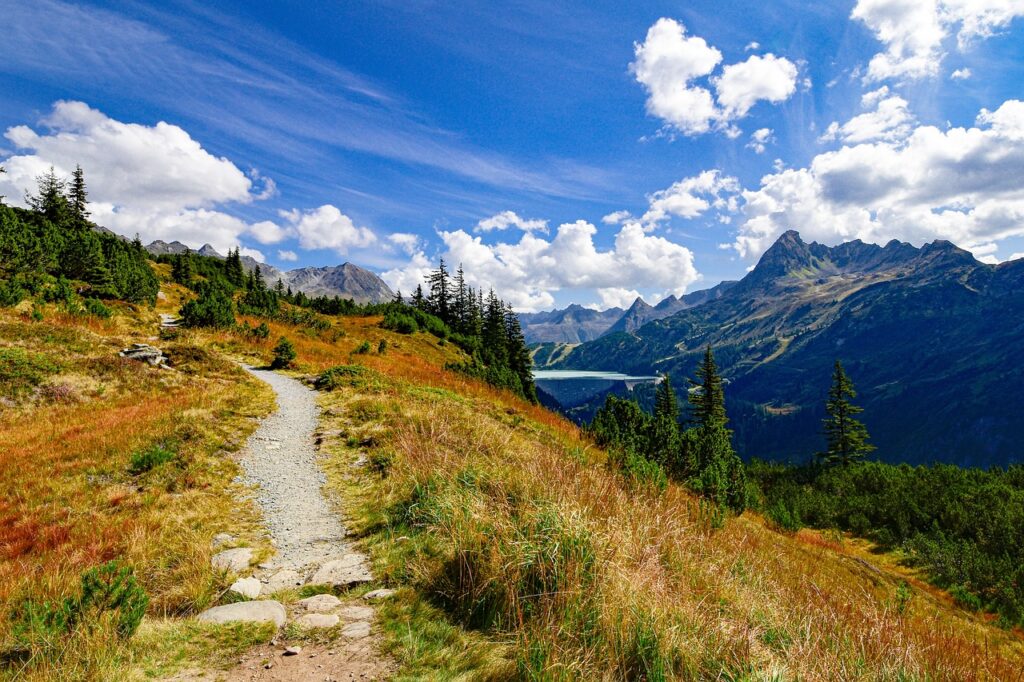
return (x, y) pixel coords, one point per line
(441, 293)
(847, 438)
(233, 270)
(50, 200)
(665, 443)
(460, 305)
(418, 300)
(78, 197)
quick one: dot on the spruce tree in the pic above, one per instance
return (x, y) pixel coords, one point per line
(665, 443)
(233, 270)
(847, 438)
(50, 200)
(78, 197)
(460, 305)
(713, 466)
(418, 300)
(441, 293)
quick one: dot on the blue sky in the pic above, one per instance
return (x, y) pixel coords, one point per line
(390, 133)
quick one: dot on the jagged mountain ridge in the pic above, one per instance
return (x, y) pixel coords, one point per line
(919, 329)
(576, 324)
(346, 280)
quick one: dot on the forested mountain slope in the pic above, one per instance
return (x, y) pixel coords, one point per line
(931, 336)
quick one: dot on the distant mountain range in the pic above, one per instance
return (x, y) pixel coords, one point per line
(931, 337)
(346, 280)
(577, 324)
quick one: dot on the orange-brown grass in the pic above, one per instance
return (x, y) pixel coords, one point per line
(69, 501)
(520, 527)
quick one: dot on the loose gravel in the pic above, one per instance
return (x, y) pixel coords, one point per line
(281, 461)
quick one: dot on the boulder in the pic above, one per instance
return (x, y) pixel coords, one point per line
(143, 352)
(266, 611)
(349, 570)
(282, 580)
(320, 603)
(356, 630)
(317, 620)
(351, 613)
(247, 587)
(234, 560)
(377, 595)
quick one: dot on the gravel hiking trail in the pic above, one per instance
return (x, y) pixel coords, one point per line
(282, 461)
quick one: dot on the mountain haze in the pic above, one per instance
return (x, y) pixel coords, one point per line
(930, 336)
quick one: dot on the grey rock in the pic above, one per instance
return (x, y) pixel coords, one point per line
(317, 620)
(292, 650)
(233, 560)
(350, 613)
(356, 630)
(282, 580)
(320, 603)
(247, 587)
(221, 539)
(349, 570)
(143, 352)
(266, 611)
(377, 595)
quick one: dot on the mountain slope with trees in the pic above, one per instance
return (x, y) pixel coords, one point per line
(932, 335)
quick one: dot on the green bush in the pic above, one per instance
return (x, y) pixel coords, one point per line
(342, 375)
(108, 595)
(284, 354)
(213, 308)
(21, 371)
(363, 348)
(262, 331)
(399, 322)
(142, 461)
(96, 308)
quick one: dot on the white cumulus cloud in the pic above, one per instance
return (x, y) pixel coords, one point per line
(529, 271)
(507, 219)
(327, 227)
(960, 184)
(288, 256)
(760, 139)
(914, 32)
(888, 120)
(674, 68)
(692, 197)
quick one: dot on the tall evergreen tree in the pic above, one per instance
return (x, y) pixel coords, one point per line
(714, 468)
(664, 445)
(441, 293)
(233, 270)
(847, 438)
(460, 303)
(419, 301)
(78, 197)
(50, 200)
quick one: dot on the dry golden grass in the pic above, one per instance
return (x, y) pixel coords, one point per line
(518, 526)
(70, 503)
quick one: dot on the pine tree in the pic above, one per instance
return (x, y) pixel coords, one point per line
(441, 293)
(460, 306)
(846, 436)
(664, 445)
(398, 298)
(713, 466)
(233, 270)
(78, 197)
(50, 200)
(418, 300)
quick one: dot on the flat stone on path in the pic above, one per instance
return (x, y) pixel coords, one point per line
(380, 594)
(235, 560)
(247, 587)
(317, 620)
(356, 630)
(320, 603)
(356, 613)
(283, 580)
(266, 611)
(348, 570)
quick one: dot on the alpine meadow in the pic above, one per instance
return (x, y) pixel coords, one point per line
(550, 341)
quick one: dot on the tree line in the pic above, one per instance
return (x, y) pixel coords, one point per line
(486, 327)
(54, 251)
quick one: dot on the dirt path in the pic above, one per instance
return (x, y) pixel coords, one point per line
(281, 461)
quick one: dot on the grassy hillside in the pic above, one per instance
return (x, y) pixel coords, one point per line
(520, 552)
(517, 549)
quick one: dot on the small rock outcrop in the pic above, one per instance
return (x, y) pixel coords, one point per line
(282, 580)
(235, 560)
(143, 352)
(317, 620)
(247, 587)
(320, 603)
(349, 570)
(266, 611)
(378, 595)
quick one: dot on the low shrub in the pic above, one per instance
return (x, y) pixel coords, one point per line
(284, 354)
(142, 461)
